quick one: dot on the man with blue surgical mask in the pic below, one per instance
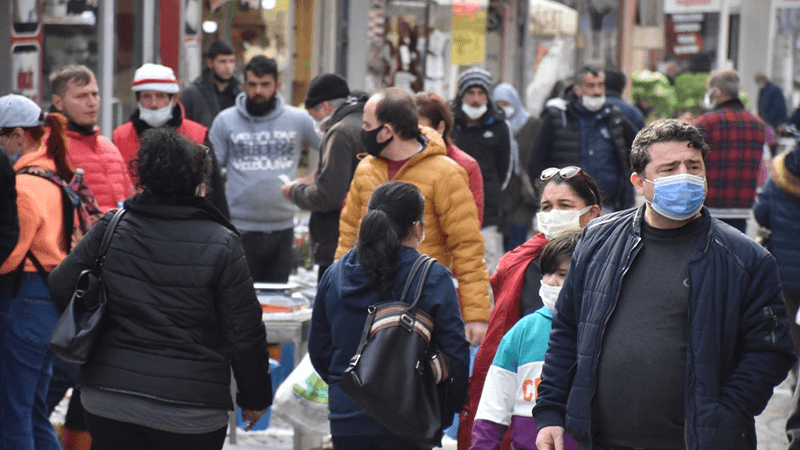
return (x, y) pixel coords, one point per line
(679, 318)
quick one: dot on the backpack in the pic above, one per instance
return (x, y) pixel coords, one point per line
(80, 210)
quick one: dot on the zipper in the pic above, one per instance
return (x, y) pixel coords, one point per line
(603, 323)
(689, 392)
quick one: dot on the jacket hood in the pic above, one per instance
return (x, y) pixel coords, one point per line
(272, 115)
(782, 174)
(353, 106)
(177, 208)
(507, 93)
(356, 289)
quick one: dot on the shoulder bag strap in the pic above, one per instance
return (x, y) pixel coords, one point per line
(101, 256)
(423, 278)
(411, 274)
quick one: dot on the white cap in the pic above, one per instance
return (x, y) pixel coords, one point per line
(155, 77)
(19, 111)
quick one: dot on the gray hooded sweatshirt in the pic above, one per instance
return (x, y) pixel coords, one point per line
(255, 151)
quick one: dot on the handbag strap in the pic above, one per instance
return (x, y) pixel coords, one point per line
(101, 256)
(412, 274)
(426, 268)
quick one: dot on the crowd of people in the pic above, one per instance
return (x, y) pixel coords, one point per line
(598, 263)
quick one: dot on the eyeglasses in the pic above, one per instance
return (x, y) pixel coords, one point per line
(568, 173)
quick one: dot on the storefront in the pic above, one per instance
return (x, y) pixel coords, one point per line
(111, 37)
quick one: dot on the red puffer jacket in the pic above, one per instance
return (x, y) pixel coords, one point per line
(105, 171)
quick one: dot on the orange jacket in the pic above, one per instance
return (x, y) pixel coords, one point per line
(453, 232)
(41, 226)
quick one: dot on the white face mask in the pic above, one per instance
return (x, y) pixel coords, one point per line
(156, 117)
(593, 104)
(509, 110)
(556, 221)
(708, 103)
(549, 295)
(473, 112)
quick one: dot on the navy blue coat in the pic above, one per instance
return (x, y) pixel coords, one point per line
(772, 105)
(738, 344)
(340, 312)
(777, 207)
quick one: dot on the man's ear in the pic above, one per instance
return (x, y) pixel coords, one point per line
(58, 102)
(638, 183)
(577, 90)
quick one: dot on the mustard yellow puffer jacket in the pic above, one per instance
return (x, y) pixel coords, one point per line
(453, 232)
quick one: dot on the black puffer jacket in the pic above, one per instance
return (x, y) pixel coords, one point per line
(490, 144)
(181, 307)
(9, 222)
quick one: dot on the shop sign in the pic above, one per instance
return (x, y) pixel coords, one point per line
(25, 69)
(684, 34)
(550, 18)
(686, 6)
(468, 32)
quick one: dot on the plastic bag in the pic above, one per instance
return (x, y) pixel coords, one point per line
(302, 400)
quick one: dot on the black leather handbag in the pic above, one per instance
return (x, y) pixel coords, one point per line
(397, 376)
(75, 333)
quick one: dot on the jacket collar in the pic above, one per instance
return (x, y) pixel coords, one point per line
(734, 103)
(177, 208)
(706, 231)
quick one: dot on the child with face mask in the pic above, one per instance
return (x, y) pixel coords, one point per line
(511, 383)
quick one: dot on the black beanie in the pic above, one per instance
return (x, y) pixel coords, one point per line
(323, 87)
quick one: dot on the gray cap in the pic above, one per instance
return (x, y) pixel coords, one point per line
(19, 111)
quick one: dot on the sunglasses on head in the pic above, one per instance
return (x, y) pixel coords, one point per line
(568, 173)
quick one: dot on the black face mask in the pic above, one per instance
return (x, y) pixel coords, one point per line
(260, 109)
(370, 141)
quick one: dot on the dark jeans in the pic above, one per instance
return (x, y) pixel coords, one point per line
(110, 434)
(369, 443)
(792, 300)
(269, 255)
(65, 374)
(26, 323)
(517, 235)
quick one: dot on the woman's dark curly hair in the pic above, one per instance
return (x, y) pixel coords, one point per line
(393, 209)
(171, 165)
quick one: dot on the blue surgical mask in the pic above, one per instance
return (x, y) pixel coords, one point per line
(678, 197)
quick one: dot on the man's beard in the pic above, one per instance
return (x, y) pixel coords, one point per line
(219, 79)
(259, 109)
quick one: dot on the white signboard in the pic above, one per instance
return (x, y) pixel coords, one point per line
(688, 6)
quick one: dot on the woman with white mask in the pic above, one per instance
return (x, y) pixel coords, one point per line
(568, 199)
(510, 388)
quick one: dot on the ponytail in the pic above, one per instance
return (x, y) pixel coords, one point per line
(378, 249)
(57, 146)
(394, 206)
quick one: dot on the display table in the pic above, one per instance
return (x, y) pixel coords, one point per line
(287, 327)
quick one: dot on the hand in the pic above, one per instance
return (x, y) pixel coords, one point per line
(285, 189)
(550, 438)
(251, 416)
(476, 331)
